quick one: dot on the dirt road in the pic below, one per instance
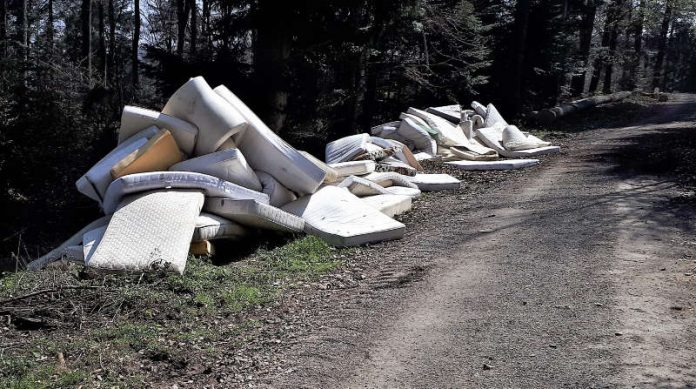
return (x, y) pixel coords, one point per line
(577, 273)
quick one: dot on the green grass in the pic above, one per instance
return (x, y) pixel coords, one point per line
(122, 323)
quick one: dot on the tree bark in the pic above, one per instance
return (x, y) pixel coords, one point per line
(271, 52)
(135, 44)
(600, 60)
(49, 26)
(551, 114)
(182, 10)
(577, 84)
(3, 28)
(637, 45)
(102, 41)
(613, 40)
(520, 46)
(662, 45)
(194, 26)
(86, 22)
(110, 62)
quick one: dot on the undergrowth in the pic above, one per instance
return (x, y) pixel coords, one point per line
(105, 330)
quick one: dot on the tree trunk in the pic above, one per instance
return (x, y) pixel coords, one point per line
(182, 10)
(638, 23)
(110, 62)
(194, 26)
(3, 28)
(49, 26)
(380, 14)
(102, 41)
(205, 24)
(520, 45)
(135, 44)
(600, 60)
(271, 53)
(613, 40)
(577, 84)
(86, 21)
(662, 45)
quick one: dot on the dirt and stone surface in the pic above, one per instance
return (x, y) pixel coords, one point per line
(580, 272)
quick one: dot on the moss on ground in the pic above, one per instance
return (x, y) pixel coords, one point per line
(117, 330)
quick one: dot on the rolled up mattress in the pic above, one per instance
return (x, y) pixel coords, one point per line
(134, 119)
(197, 103)
(268, 152)
(346, 148)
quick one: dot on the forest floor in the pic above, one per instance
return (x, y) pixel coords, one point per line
(578, 272)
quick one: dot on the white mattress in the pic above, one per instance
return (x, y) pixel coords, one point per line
(152, 231)
(389, 204)
(493, 137)
(229, 165)
(73, 241)
(452, 113)
(211, 227)
(347, 148)
(509, 164)
(493, 118)
(278, 194)
(404, 191)
(435, 182)
(254, 214)
(142, 182)
(197, 103)
(342, 219)
(416, 132)
(354, 168)
(448, 133)
(361, 187)
(134, 119)
(95, 182)
(387, 179)
(267, 152)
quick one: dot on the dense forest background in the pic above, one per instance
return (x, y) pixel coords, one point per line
(313, 70)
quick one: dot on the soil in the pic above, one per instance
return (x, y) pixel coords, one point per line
(577, 273)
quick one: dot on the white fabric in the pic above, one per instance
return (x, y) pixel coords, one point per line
(74, 240)
(435, 182)
(492, 137)
(396, 166)
(278, 194)
(211, 227)
(391, 126)
(361, 187)
(404, 191)
(197, 103)
(353, 168)
(331, 174)
(267, 152)
(493, 117)
(229, 165)
(347, 148)
(452, 113)
(90, 242)
(516, 140)
(94, 183)
(153, 230)
(402, 154)
(416, 131)
(479, 108)
(254, 214)
(510, 164)
(448, 134)
(134, 119)
(459, 153)
(389, 204)
(142, 182)
(341, 219)
(421, 156)
(387, 179)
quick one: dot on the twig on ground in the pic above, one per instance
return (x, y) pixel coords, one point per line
(46, 291)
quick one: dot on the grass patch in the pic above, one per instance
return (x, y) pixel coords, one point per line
(116, 329)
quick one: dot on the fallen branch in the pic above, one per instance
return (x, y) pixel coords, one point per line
(551, 114)
(46, 291)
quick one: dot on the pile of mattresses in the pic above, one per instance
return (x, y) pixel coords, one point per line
(476, 139)
(207, 168)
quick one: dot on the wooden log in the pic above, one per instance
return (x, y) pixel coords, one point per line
(550, 114)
